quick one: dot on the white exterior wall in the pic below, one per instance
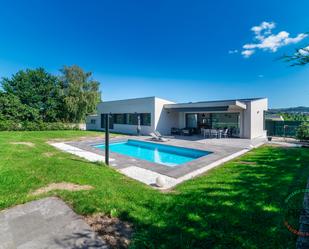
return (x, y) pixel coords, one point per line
(140, 105)
(257, 118)
(164, 119)
(90, 126)
(254, 118)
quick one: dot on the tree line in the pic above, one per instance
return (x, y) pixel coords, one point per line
(35, 95)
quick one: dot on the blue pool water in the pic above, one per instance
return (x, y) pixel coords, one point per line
(158, 153)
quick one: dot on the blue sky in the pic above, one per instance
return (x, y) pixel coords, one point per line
(179, 50)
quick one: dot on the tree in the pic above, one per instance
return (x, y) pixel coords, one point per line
(80, 93)
(12, 109)
(299, 58)
(36, 94)
(36, 89)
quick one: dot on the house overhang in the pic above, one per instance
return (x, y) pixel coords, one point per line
(210, 106)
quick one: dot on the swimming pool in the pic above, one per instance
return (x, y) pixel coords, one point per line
(158, 153)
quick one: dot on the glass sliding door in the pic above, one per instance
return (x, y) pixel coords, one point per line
(229, 121)
(191, 120)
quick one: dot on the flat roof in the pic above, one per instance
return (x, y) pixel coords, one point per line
(213, 103)
(138, 98)
(225, 100)
(221, 105)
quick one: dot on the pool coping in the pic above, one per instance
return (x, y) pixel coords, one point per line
(147, 172)
(120, 161)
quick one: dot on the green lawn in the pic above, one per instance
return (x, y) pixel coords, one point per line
(236, 205)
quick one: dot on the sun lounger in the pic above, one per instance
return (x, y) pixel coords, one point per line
(157, 138)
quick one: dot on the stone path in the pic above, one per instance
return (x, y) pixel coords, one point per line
(46, 224)
(92, 157)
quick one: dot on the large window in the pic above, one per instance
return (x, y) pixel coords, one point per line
(227, 120)
(145, 119)
(120, 118)
(132, 118)
(111, 123)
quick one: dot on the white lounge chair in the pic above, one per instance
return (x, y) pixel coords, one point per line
(157, 138)
(159, 135)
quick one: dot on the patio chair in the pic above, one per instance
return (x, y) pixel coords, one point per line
(220, 132)
(225, 133)
(156, 138)
(186, 132)
(205, 132)
(175, 131)
(213, 133)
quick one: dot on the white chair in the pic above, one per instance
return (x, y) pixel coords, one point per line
(220, 133)
(206, 132)
(213, 133)
(225, 133)
(203, 132)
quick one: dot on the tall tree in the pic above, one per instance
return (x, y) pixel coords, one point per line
(37, 89)
(80, 93)
(12, 109)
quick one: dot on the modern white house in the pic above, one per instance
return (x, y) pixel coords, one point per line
(243, 118)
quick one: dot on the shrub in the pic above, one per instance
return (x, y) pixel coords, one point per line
(9, 125)
(303, 131)
(11, 108)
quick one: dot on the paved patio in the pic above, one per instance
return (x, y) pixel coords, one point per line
(222, 150)
(47, 223)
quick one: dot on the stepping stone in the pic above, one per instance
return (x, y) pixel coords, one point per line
(46, 223)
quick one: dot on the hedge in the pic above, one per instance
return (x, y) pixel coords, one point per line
(9, 125)
(303, 132)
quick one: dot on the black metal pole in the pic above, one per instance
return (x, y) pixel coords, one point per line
(107, 139)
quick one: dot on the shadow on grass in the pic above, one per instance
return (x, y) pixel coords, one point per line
(235, 206)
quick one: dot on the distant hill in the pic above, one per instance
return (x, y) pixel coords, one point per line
(299, 109)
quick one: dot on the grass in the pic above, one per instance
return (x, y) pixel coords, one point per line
(237, 205)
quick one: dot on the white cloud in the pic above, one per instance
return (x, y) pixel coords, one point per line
(235, 51)
(263, 29)
(304, 51)
(268, 41)
(247, 53)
